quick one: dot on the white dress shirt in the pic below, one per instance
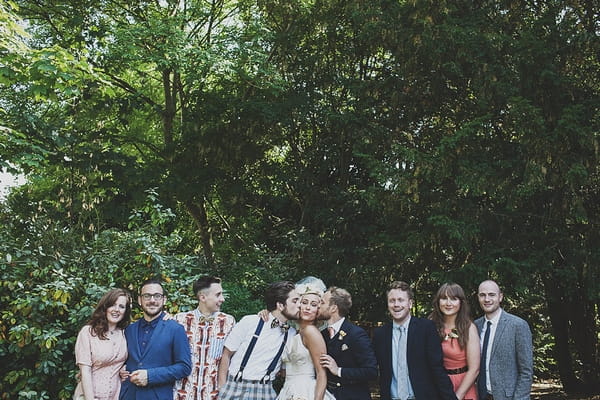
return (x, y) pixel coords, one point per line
(264, 352)
(493, 328)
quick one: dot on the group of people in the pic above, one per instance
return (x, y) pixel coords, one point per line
(304, 335)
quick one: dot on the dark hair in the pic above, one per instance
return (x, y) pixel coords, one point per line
(98, 322)
(152, 281)
(278, 293)
(204, 282)
(463, 318)
(342, 299)
(405, 287)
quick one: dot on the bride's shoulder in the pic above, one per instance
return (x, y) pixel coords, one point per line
(310, 332)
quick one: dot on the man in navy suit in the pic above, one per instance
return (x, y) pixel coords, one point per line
(159, 352)
(350, 361)
(409, 353)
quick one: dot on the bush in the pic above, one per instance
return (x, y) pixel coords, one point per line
(51, 278)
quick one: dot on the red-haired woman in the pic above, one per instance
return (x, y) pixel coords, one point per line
(460, 340)
(101, 348)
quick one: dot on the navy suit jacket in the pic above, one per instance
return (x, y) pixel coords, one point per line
(426, 372)
(167, 358)
(352, 350)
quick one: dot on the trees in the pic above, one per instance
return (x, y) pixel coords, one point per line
(358, 142)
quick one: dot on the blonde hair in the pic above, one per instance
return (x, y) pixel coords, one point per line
(342, 299)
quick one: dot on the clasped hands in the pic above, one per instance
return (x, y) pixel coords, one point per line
(138, 377)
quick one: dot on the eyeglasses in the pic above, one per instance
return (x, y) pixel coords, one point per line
(155, 296)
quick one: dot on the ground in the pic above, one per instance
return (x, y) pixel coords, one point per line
(552, 390)
(545, 390)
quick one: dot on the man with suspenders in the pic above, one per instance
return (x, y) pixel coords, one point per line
(252, 354)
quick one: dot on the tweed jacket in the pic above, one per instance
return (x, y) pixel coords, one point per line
(511, 358)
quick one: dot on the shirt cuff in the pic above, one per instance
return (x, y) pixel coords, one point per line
(339, 372)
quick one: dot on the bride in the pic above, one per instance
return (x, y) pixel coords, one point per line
(305, 378)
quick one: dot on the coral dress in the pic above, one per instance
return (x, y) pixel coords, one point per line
(455, 358)
(300, 378)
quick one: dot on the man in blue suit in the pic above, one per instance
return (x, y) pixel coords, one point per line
(159, 352)
(350, 361)
(409, 353)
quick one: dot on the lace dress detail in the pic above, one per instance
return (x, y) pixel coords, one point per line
(300, 378)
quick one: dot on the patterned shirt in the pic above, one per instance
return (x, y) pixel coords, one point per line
(206, 336)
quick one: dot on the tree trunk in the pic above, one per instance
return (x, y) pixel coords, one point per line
(169, 111)
(585, 338)
(559, 310)
(198, 212)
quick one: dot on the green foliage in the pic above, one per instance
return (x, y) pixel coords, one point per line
(50, 288)
(361, 143)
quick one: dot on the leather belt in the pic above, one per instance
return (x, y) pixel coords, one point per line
(457, 370)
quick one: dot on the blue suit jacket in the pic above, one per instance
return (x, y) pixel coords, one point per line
(428, 377)
(167, 358)
(511, 359)
(353, 352)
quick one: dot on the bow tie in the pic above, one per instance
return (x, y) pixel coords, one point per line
(284, 327)
(206, 320)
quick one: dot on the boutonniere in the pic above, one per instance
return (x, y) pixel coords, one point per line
(344, 347)
(341, 335)
(453, 334)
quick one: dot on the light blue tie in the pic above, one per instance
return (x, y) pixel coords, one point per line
(402, 366)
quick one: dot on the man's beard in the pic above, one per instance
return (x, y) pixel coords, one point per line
(154, 313)
(323, 316)
(289, 316)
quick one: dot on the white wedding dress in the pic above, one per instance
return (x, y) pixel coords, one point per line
(300, 378)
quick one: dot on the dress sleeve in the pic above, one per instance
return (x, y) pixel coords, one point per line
(83, 347)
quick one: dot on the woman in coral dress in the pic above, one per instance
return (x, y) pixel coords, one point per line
(460, 340)
(101, 348)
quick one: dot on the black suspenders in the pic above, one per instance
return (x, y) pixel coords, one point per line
(265, 379)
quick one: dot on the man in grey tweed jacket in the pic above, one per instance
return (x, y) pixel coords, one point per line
(506, 371)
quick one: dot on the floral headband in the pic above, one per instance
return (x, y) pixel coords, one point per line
(304, 289)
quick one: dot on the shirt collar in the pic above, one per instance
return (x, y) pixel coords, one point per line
(199, 314)
(271, 320)
(152, 324)
(405, 324)
(495, 319)
(338, 325)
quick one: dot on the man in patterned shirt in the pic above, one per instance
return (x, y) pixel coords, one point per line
(206, 328)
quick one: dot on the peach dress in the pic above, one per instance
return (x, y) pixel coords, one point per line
(106, 357)
(455, 358)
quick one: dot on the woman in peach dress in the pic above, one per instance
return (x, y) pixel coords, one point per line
(460, 340)
(101, 348)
